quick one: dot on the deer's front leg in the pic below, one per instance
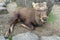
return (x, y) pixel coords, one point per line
(10, 30)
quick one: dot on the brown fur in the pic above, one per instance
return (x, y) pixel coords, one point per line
(28, 16)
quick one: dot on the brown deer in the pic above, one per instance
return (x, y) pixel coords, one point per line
(30, 17)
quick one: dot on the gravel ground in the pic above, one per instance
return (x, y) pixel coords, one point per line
(46, 30)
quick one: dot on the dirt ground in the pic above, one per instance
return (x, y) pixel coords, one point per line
(49, 29)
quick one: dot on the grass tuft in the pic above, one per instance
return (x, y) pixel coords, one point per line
(10, 37)
(51, 18)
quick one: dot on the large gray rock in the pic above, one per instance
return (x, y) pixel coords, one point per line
(26, 36)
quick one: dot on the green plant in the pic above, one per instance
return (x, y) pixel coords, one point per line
(10, 37)
(51, 17)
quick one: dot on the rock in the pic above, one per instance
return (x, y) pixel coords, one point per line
(50, 38)
(2, 38)
(11, 7)
(2, 3)
(23, 36)
(26, 36)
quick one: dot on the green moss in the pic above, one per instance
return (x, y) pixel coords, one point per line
(51, 18)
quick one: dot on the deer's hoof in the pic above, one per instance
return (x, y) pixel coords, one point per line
(6, 37)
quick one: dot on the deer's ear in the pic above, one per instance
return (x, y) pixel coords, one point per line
(33, 3)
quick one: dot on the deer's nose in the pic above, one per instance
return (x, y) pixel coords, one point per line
(45, 19)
